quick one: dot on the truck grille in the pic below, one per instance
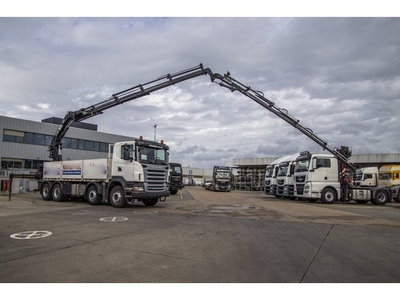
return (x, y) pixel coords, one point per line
(299, 189)
(301, 178)
(155, 178)
(223, 183)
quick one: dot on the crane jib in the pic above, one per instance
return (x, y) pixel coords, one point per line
(167, 80)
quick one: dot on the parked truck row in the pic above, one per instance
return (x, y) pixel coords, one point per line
(322, 177)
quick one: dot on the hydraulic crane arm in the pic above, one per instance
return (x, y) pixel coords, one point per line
(117, 99)
(141, 90)
(342, 154)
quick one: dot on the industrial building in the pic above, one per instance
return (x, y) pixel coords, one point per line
(24, 144)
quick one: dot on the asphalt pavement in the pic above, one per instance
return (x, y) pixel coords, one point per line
(198, 237)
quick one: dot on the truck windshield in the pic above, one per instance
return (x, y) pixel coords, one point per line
(302, 165)
(282, 170)
(222, 175)
(384, 176)
(152, 155)
(268, 171)
(176, 169)
(359, 175)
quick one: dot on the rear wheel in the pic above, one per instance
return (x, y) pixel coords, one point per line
(46, 192)
(57, 193)
(328, 196)
(150, 202)
(92, 196)
(117, 197)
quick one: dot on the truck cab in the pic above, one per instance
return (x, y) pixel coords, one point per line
(271, 173)
(315, 175)
(221, 179)
(285, 180)
(389, 175)
(175, 178)
(366, 177)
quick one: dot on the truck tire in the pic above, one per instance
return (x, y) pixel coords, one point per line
(117, 197)
(57, 194)
(46, 192)
(397, 199)
(381, 197)
(328, 196)
(150, 202)
(173, 191)
(92, 196)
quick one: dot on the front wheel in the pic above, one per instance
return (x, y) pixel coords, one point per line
(150, 202)
(381, 197)
(328, 196)
(117, 197)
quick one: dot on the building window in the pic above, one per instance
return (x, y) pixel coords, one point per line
(81, 144)
(45, 140)
(28, 138)
(38, 139)
(74, 143)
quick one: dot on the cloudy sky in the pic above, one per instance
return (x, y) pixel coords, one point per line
(339, 76)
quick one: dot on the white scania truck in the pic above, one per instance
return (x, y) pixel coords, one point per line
(134, 170)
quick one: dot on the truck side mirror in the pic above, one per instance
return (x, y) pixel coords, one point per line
(127, 154)
(291, 170)
(314, 164)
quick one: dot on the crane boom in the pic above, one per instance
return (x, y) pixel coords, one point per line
(342, 154)
(120, 98)
(226, 81)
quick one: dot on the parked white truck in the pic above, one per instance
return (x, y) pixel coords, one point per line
(271, 173)
(285, 178)
(323, 177)
(134, 170)
(368, 176)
